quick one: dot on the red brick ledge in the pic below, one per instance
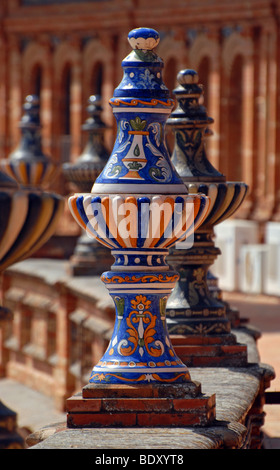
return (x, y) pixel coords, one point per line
(141, 406)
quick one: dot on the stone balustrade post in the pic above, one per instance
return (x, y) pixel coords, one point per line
(89, 257)
(139, 207)
(197, 319)
(28, 219)
(27, 163)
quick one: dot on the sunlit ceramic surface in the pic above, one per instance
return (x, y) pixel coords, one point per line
(122, 211)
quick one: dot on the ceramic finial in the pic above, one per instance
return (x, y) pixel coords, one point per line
(94, 109)
(143, 38)
(94, 155)
(142, 67)
(187, 77)
(140, 162)
(27, 163)
(190, 123)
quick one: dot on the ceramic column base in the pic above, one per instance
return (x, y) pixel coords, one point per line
(202, 336)
(90, 258)
(141, 405)
(210, 350)
(206, 341)
(197, 319)
(232, 313)
(140, 351)
(140, 382)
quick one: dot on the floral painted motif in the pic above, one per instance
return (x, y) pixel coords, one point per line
(141, 324)
(143, 279)
(139, 208)
(139, 142)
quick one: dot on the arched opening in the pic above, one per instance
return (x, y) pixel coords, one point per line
(169, 78)
(93, 86)
(36, 81)
(234, 137)
(97, 79)
(66, 99)
(170, 74)
(65, 113)
(203, 73)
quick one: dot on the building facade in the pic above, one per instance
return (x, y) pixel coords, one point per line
(64, 51)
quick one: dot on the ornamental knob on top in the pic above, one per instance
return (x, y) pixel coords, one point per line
(139, 207)
(141, 104)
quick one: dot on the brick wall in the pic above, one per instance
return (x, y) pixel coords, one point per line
(57, 334)
(61, 49)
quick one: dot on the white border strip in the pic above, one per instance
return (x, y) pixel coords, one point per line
(142, 110)
(123, 188)
(135, 369)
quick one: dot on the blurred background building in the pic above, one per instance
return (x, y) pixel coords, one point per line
(65, 50)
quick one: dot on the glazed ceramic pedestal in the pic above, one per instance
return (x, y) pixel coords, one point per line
(138, 208)
(27, 164)
(89, 257)
(140, 380)
(28, 219)
(198, 323)
(199, 327)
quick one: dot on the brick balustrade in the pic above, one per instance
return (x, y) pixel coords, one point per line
(62, 326)
(60, 52)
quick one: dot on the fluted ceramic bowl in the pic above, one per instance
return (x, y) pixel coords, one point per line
(139, 229)
(225, 199)
(28, 220)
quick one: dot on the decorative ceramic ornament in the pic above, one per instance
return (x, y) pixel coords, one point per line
(139, 207)
(193, 312)
(89, 257)
(27, 164)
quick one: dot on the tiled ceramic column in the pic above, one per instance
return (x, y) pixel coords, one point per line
(28, 219)
(27, 164)
(89, 257)
(139, 207)
(198, 324)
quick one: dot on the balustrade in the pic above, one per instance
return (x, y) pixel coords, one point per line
(89, 256)
(124, 212)
(148, 211)
(197, 320)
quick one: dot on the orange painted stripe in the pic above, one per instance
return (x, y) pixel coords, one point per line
(107, 211)
(77, 217)
(75, 212)
(23, 173)
(133, 240)
(38, 172)
(185, 226)
(163, 225)
(139, 132)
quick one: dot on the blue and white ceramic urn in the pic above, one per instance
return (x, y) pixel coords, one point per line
(139, 207)
(141, 106)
